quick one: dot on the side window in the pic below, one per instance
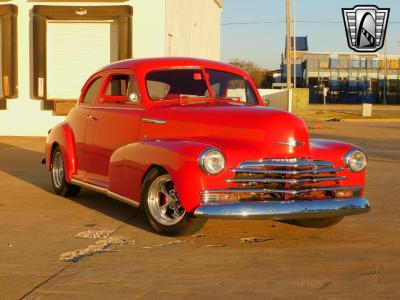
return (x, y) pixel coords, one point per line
(92, 91)
(118, 85)
(121, 88)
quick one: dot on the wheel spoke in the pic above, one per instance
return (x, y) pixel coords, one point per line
(164, 191)
(163, 208)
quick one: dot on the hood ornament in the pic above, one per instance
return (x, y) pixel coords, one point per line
(291, 143)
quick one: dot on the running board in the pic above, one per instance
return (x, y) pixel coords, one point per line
(105, 191)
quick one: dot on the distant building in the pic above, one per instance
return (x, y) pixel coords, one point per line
(350, 77)
(49, 48)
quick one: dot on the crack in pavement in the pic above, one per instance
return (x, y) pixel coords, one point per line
(35, 288)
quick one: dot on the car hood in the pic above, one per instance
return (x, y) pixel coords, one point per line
(274, 133)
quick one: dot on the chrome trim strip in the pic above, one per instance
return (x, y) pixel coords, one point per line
(90, 186)
(154, 121)
(284, 210)
(283, 180)
(289, 172)
(291, 192)
(122, 199)
(105, 191)
(277, 163)
(291, 143)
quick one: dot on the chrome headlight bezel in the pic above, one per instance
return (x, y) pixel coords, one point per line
(208, 154)
(350, 159)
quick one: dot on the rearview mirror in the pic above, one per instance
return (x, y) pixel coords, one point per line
(265, 99)
(133, 98)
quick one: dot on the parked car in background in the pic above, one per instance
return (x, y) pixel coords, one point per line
(189, 139)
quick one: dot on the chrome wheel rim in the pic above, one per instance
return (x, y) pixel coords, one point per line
(163, 202)
(58, 170)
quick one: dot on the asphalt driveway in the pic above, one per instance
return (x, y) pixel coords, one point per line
(356, 259)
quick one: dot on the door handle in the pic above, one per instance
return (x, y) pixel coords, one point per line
(89, 117)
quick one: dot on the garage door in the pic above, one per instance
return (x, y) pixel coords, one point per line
(74, 51)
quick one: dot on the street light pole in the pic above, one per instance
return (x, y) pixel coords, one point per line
(288, 56)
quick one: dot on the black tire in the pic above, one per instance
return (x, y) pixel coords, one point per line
(186, 225)
(60, 186)
(317, 223)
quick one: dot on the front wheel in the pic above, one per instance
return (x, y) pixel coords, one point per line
(162, 207)
(60, 186)
(318, 222)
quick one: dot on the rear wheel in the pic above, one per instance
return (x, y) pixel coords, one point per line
(60, 186)
(317, 223)
(162, 207)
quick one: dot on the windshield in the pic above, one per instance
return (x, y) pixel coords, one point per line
(230, 86)
(176, 84)
(185, 83)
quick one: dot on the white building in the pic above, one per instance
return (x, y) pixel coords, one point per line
(49, 48)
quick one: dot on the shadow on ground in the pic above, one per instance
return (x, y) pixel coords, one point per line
(25, 164)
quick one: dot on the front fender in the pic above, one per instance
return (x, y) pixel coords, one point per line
(334, 151)
(180, 160)
(62, 136)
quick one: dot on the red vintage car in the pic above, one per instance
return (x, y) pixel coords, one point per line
(189, 139)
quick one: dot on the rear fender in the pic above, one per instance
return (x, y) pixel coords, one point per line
(62, 136)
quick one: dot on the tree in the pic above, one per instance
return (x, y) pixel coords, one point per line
(256, 72)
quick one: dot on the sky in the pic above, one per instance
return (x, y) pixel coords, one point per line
(264, 43)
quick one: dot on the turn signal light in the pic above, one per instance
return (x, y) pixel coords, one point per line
(344, 194)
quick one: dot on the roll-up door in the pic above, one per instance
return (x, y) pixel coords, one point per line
(75, 50)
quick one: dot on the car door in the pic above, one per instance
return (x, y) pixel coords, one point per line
(116, 115)
(80, 120)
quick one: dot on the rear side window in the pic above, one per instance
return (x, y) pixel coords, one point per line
(93, 91)
(121, 89)
(118, 85)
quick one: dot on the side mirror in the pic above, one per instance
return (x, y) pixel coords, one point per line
(133, 98)
(265, 100)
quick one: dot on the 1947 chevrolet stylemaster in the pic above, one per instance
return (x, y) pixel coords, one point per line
(189, 139)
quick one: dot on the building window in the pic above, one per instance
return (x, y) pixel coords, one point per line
(354, 61)
(375, 63)
(334, 62)
(363, 62)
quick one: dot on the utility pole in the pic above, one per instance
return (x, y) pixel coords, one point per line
(385, 72)
(294, 48)
(288, 56)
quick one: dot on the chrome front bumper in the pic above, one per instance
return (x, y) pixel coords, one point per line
(284, 210)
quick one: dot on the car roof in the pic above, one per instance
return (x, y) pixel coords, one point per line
(148, 64)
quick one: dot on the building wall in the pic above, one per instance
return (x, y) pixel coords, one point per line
(25, 116)
(353, 78)
(193, 28)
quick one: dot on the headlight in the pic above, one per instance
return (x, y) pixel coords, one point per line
(212, 161)
(355, 160)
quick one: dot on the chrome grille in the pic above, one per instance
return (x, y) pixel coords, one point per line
(283, 179)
